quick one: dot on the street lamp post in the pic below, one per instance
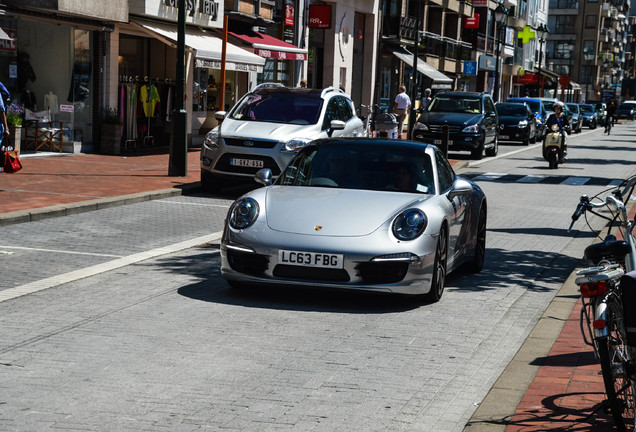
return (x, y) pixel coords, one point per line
(589, 56)
(543, 32)
(501, 16)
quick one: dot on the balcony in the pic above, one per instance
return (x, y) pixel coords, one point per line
(565, 29)
(564, 4)
(394, 26)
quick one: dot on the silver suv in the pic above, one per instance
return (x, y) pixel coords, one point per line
(268, 126)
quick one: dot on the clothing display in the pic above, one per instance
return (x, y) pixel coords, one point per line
(50, 103)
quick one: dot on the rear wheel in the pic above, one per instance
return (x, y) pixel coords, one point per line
(477, 263)
(439, 268)
(615, 365)
(552, 160)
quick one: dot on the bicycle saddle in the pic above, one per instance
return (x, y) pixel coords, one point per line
(611, 249)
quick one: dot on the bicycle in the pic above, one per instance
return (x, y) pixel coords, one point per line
(602, 292)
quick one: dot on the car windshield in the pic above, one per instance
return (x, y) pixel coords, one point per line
(549, 105)
(535, 106)
(279, 108)
(627, 106)
(516, 110)
(573, 107)
(587, 108)
(455, 104)
(368, 165)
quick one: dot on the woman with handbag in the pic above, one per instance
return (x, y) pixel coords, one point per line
(9, 161)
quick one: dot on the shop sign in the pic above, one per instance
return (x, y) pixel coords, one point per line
(470, 68)
(239, 67)
(480, 3)
(487, 62)
(280, 55)
(472, 22)
(9, 45)
(206, 7)
(67, 108)
(320, 16)
(527, 78)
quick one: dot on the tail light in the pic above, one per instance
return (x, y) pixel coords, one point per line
(592, 289)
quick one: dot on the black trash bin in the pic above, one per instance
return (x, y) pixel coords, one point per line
(387, 125)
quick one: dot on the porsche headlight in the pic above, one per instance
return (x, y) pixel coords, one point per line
(212, 139)
(420, 126)
(295, 144)
(523, 123)
(471, 129)
(243, 213)
(409, 224)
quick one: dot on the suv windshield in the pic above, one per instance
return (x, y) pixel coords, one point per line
(301, 109)
(516, 110)
(549, 105)
(467, 104)
(573, 107)
(587, 108)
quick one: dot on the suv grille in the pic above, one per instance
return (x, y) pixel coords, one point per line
(241, 142)
(437, 129)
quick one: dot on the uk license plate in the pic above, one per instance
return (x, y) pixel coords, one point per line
(311, 259)
(249, 163)
(440, 142)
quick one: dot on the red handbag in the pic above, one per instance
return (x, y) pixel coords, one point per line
(12, 163)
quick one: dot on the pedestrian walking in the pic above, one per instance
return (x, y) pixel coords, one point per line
(4, 127)
(401, 108)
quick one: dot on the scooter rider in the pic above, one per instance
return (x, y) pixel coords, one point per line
(559, 119)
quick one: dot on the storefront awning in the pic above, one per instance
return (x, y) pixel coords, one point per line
(4, 35)
(548, 73)
(208, 48)
(269, 47)
(440, 81)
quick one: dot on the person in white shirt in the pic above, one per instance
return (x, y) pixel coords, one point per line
(401, 108)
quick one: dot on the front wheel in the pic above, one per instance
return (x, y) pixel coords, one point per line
(618, 375)
(439, 268)
(495, 148)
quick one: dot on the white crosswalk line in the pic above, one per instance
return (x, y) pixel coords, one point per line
(489, 176)
(576, 181)
(531, 179)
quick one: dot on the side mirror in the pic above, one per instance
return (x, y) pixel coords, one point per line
(220, 115)
(460, 187)
(336, 125)
(264, 177)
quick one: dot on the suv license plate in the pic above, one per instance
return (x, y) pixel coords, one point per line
(311, 259)
(440, 142)
(250, 163)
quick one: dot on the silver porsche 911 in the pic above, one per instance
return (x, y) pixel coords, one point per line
(357, 213)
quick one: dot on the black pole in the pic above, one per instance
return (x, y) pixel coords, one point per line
(413, 113)
(177, 165)
(540, 58)
(497, 41)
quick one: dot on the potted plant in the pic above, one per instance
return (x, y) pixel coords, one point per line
(111, 132)
(15, 116)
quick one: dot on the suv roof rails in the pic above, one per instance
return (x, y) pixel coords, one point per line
(330, 89)
(268, 85)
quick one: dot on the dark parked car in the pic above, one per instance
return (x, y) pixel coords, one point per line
(588, 115)
(537, 107)
(626, 110)
(471, 119)
(601, 111)
(576, 121)
(516, 123)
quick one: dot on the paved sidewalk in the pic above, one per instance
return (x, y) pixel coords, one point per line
(546, 387)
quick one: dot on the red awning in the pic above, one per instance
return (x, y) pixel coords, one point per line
(271, 47)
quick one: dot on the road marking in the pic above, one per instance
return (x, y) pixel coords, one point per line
(577, 181)
(194, 204)
(531, 179)
(59, 251)
(54, 281)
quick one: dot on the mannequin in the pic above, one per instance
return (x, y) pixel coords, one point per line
(50, 102)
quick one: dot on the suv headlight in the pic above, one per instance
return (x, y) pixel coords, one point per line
(523, 123)
(471, 129)
(293, 145)
(212, 139)
(420, 127)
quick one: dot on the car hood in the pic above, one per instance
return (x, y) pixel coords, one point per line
(450, 118)
(338, 212)
(264, 130)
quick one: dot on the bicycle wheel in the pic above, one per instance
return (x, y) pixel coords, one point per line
(614, 357)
